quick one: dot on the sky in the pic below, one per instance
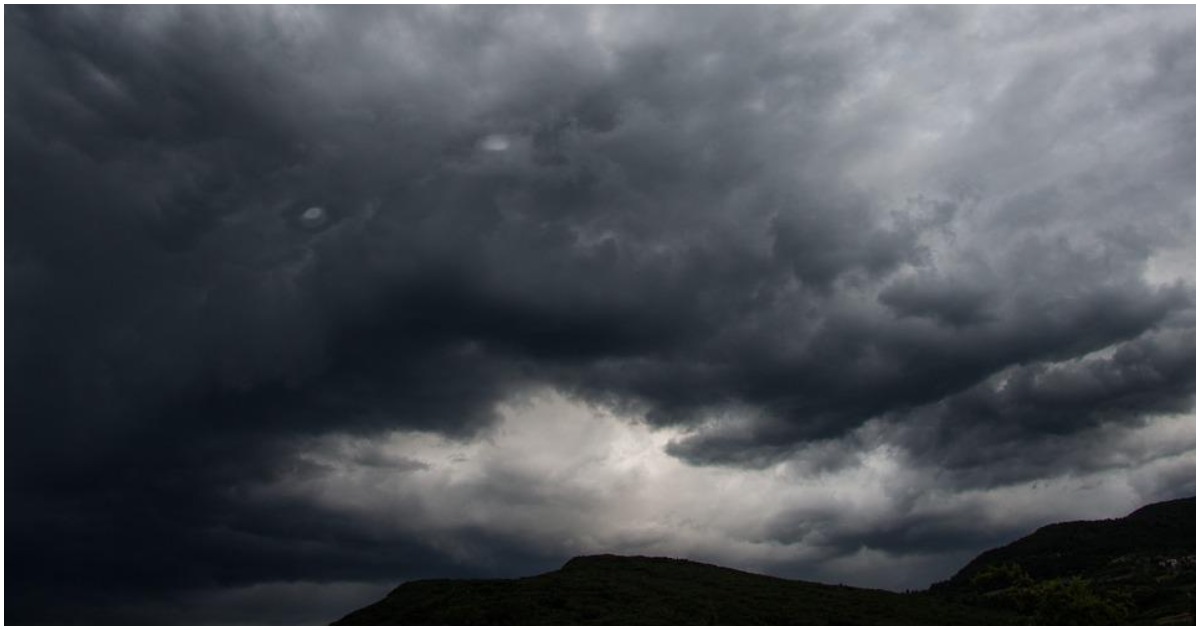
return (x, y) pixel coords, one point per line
(304, 302)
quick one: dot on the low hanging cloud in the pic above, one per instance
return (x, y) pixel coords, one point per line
(262, 259)
(566, 479)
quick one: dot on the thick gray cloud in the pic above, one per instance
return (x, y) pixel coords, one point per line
(774, 239)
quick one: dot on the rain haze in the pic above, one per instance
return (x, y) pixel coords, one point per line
(304, 302)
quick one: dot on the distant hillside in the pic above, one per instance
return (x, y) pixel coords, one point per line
(616, 590)
(1138, 569)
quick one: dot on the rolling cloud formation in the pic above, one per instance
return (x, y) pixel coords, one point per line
(343, 296)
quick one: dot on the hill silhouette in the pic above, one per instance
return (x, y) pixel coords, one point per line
(1138, 569)
(618, 590)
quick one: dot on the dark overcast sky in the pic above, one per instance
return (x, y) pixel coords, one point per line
(304, 302)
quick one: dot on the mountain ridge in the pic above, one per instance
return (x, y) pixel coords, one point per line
(1157, 527)
(1136, 569)
(1133, 569)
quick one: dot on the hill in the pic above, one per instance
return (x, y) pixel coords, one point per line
(1137, 569)
(616, 590)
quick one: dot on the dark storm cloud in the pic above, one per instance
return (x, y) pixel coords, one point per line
(946, 302)
(1018, 426)
(904, 532)
(766, 228)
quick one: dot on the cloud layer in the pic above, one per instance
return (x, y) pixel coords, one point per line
(927, 256)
